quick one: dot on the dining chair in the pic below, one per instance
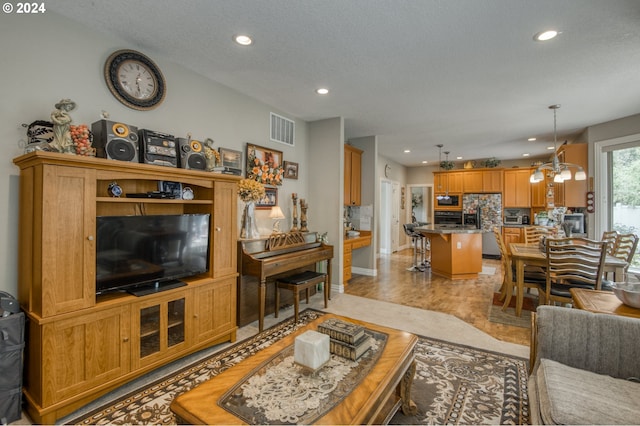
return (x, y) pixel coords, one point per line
(610, 237)
(532, 234)
(625, 248)
(572, 262)
(533, 276)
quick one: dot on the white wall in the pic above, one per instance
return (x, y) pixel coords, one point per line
(48, 57)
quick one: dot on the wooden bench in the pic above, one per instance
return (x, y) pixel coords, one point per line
(298, 282)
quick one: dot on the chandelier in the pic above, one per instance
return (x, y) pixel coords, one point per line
(560, 171)
(446, 194)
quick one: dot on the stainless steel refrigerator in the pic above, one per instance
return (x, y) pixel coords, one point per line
(485, 212)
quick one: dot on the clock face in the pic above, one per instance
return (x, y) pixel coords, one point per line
(137, 80)
(134, 80)
(387, 169)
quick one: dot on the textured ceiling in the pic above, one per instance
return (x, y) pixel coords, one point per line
(416, 73)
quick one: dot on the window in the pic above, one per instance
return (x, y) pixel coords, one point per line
(618, 167)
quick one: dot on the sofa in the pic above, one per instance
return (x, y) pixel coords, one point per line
(585, 368)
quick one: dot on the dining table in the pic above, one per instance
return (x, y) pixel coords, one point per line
(523, 254)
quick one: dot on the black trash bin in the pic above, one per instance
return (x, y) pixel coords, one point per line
(11, 361)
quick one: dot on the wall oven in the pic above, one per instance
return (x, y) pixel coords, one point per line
(451, 201)
(447, 217)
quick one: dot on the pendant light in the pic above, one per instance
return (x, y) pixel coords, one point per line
(561, 171)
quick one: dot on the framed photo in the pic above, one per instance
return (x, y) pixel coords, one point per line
(290, 170)
(264, 165)
(269, 200)
(230, 158)
(174, 188)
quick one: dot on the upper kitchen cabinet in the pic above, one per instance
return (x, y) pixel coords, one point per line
(352, 176)
(472, 181)
(572, 193)
(492, 180)
(517, 189)
(448, 182)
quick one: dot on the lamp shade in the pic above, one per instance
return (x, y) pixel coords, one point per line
(276, 213)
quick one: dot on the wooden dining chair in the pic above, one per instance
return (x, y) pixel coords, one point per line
(572, 262)
(610, 237)
(533, 276)
(625, 248)
(532, 234)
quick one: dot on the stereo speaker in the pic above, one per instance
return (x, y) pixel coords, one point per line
(115, 141)
(158, 148)
(191, 154)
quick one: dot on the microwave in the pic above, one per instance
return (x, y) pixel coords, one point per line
(448, 201)
(576, 220)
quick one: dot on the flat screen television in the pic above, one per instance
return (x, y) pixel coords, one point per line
(147, 254)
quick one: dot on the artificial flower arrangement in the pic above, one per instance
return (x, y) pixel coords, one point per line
(264, 172)
(250, 190)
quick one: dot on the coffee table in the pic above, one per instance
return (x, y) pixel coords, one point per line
(375, 399)
(603, 302)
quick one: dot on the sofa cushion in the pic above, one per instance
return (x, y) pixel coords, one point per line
(568, 395)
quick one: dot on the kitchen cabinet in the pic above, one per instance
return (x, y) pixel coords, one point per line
(492, 181)
(539, 192)
(352, 176)
(82, 345)
(517, 188)
(448, 182)
(512, 235)
(572, 193)
(350, 244)
(472, 181)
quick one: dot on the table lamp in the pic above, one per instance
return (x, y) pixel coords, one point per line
(276, 213)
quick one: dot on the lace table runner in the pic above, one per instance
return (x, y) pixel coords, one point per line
(282, 392)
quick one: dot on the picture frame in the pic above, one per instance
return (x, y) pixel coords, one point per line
(230, 158)
(290, 170)
(264, 165)
(175, 188)
(270, 198)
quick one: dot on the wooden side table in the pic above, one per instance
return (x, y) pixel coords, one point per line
(603, 302)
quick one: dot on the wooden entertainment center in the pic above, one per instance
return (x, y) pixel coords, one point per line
(82, 345)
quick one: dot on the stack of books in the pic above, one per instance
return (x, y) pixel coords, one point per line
(347, 339)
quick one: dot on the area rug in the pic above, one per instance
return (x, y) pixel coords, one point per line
(454, 384)
(508, 316)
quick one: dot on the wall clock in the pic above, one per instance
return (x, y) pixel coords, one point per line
(134, 79)
(387, 170)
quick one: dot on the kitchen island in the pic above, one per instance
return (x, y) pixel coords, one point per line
(456, 250)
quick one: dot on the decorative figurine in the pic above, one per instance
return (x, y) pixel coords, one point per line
(61, 120)
(294, 198)
(303, 216)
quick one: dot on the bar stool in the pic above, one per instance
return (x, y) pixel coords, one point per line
(298, 282)
(417, 239)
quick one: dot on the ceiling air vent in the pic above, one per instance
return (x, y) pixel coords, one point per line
(282, 130)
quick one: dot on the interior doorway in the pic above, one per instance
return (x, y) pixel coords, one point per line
(389, 216)
(419, 204)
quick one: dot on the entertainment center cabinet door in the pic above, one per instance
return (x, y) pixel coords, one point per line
(159, 328)
(77, 354)
(225, 228)
(215, 310)
(64, 213)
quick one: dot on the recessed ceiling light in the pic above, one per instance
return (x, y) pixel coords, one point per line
(243, 39)
(424, 161)
(545, 35)
(458, 158)
(406, 151)
(322, 91)
(531, 139)
(550, 148)
(525, 155)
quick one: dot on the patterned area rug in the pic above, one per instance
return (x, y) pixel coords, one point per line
(454, 384)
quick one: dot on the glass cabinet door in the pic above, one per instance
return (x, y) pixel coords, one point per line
(162, 329)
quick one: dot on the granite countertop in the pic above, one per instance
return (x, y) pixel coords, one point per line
(448, 229)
